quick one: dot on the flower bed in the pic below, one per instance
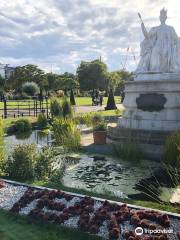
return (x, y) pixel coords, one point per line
(106, 219)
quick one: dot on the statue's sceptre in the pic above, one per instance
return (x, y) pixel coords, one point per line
(144, 30)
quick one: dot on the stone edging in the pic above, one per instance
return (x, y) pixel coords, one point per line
(176, 215)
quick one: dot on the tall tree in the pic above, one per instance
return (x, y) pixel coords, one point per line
(92, 75)
(64, 81)
(28, 73)
(2, 82)
(117, 79)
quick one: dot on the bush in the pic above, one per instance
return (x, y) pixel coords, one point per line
(20, 165)
(42, 121)
(67, 109)
(56, 109)
(128, 151)
(23, 125)
(30, 88)
(43, 165)
(84, 119)
(102, 126)
(66, 134)
(97, 119)
(172, 150)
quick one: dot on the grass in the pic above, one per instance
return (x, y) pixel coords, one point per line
(13, 227)
(80, 101)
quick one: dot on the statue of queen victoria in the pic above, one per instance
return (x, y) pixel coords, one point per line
(160, 50)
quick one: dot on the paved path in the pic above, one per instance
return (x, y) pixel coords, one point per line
(86, 109)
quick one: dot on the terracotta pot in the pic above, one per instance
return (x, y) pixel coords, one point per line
(99, 137)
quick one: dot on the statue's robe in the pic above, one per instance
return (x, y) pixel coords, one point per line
(160, 51)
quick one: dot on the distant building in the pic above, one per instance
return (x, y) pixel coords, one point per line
(6, 71)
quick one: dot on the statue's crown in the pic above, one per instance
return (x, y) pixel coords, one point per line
(163, 12)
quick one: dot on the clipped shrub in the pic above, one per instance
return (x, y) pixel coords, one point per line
(67, 109)
(72, 98)
(111, 101)
(42, 121)
(66, 134)
(23, 125)
(20, 165)
(30, 88)
(129, 151)
(56, 109)
(172, 150)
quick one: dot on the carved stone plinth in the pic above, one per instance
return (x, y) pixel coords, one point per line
(152, 105)
(152, 112)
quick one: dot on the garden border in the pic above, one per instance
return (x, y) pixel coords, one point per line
(174, 215)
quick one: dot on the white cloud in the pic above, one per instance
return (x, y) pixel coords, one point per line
(62, 33)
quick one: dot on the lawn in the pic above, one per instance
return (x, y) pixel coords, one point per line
(87, 101)
(80, 101)
(14, 227)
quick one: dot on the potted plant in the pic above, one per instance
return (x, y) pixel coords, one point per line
(99, 133)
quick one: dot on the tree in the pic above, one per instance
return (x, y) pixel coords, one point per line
(53, 81)
(92, 75)
(28, 73)
(117, 79)
(2, 82)
(64, 81)
(68, 81)
(2, 86)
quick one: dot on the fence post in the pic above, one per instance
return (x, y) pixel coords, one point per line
(5, 108)
(42, 104)
(36, 107)
(29, 108)
(47, 110)
(18, 108)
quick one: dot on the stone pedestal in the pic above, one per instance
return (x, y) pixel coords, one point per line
(152, 105)
(152, 111)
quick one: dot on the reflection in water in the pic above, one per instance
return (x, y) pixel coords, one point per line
(38, 137)
(107, 176)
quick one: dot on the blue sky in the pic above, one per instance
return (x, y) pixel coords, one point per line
(58, 34)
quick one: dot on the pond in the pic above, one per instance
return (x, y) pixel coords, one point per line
(41, 138)
(100, 174)
(108, 175)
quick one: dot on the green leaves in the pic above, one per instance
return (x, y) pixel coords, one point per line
(92, 75)
(28, 73)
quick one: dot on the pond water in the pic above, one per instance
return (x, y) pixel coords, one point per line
(41, 138)
(108, 176)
